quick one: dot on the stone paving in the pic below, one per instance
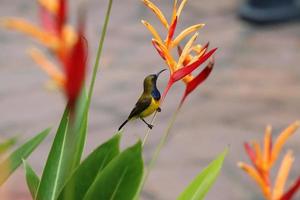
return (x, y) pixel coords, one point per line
(255, 83)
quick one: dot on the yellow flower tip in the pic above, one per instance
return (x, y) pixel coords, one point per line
(185, 33)
(9, 22)
(47, 66)
(181, 6)
(50, 5)
(241, 165)
(283, 173)
(282, 138)
(297, 123)
(198, 26)
(152, 30)
(157, 12)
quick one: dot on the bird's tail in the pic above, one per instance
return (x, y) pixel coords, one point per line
(123, 124)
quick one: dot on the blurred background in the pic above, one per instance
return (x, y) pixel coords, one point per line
(255, 82)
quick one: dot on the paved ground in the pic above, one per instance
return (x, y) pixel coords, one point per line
(256, 82)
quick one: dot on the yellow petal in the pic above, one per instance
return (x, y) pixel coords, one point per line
(186, 50)
(181, 7)
(267, 148)
(283, 175)
(157, 11)
(152, 30)
(258, 154)
(186, 32)
(169, 59)
(47, 66)
(197, 48)
(69, 36)
(23, 26)
(188, 78)
(282, 139)
(174, 13)
(50, 5)
(255, 176)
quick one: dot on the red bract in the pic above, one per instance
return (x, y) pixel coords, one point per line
(250, 152)
(155, 44)
(47, 21)
(292, 191)
(200, 78)
(75, 68)
(171, 31)
(182, 72)
(54, 16)
(61, 16)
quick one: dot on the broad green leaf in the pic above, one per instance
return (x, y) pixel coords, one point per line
(80, 132)
(87, 171)
(120, 179)
(31, 178)
(14, 160)
(199, 187)
(5, 145)
(58, 163)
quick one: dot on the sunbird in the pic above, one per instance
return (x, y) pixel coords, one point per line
(148, 102)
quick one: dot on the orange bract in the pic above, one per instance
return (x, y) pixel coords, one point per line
(189, 58)
(67, 46)
(166, 46)
(264, 158)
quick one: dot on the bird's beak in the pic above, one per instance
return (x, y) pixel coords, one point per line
(160, 72)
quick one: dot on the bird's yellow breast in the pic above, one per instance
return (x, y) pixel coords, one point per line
(151, 109)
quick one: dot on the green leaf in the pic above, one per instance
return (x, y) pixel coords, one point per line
(4, 146)
(86, 173)
(121, 178)
(58, 163)
(14, 160)
(199, 187)
(81, 122)
(31, 178)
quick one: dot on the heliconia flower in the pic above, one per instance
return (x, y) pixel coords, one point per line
(190, 57)
(263, 159)
(68, 46)
(54, 33)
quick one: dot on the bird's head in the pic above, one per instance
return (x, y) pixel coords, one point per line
(150, 80)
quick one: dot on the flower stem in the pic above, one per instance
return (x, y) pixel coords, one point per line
(84, 120)
(99, 51)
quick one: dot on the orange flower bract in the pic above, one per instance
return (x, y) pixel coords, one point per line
(191, 55)
(264, 158)
(67, 45)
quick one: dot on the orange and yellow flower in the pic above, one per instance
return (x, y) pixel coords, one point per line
(263, 159)
(66, 44)
(189, 58)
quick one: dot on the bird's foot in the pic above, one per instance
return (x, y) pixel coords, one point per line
(158, 109)
(150, 126)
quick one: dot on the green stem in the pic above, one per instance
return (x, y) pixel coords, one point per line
(99, 52)
(83, 124)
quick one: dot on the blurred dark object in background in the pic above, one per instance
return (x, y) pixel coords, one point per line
(270, 11)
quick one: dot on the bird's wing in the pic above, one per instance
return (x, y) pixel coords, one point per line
(140, 106)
